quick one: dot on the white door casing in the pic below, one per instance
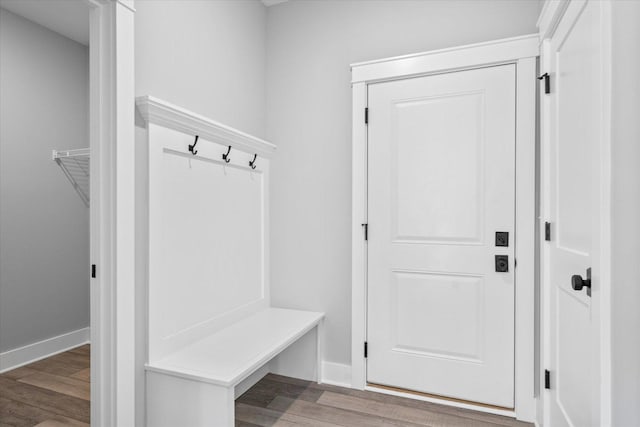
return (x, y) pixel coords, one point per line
(574, 200)
(441, 184)
(522, 52)
(112, 213)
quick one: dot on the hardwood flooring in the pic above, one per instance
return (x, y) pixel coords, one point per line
(281, 401)
(54, 392)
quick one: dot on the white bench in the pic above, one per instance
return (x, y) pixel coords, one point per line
(195, 386)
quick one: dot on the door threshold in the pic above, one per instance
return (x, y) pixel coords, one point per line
(442, 400)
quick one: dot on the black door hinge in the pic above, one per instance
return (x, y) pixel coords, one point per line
(366, 116)
(93, 271)
(547, 379)
(366, 231)
(366, 350)
(547, 231)
(547, 82)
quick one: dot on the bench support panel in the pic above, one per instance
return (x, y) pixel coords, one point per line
(173, 401)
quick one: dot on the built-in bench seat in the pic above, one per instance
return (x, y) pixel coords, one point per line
(195, 385)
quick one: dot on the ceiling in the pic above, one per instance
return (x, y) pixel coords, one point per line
(67, 17)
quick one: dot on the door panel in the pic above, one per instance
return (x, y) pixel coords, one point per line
(441, 183)
(573, 209)
(454, 179)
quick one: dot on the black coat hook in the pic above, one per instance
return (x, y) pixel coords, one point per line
(252, 163)
(192, 147)
(225, 157)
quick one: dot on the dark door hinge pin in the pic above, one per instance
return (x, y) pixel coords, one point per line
(547, 379)
(93, 271)
(366, 231)
(366, 115)
(547, 231)
(366, 350)
(547, 82)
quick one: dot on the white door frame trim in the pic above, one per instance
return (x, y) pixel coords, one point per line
(521, 51)
(111, 138)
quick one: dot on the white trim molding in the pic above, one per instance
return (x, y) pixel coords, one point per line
(112, 212)
(30, 353)
(552, 11)
(443, 60)
(337, 374)
(522, 52)
(163, 113)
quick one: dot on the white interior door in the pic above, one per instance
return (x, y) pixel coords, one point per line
(441, 184)
(573, 201)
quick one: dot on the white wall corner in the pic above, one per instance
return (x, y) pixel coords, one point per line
(21, 356)
(337, 374)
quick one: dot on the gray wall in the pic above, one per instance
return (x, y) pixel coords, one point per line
(625, 293)
(206, 56)
(44, 226)
(310, 45)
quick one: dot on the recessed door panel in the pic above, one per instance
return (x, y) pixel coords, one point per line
(443, 179)
(430, 300)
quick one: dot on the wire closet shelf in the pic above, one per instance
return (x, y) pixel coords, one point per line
(75, 165)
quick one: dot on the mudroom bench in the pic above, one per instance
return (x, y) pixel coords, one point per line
(196, 385)
(212, 332)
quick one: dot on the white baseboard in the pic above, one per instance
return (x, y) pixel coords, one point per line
(21, 356)
(336, 374)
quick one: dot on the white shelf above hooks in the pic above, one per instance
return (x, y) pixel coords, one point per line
(157, 111)
(75, 165)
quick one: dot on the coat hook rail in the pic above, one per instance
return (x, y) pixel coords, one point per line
(192, 147)
(252, 163)
(226, 157)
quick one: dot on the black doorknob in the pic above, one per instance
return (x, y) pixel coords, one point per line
(577, 282)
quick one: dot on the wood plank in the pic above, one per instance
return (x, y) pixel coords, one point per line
(55, 367)
(60, 384)
(20, 413)
(84, 375)
(241, 424)
(263, 392)
(60, 404)
(62, 422)
(85, 350)
(12, 420)
(301, 421)
(16, 374)
(75, 360)
(397, 412)
(430, 406)
(256, 415)
(333, 415)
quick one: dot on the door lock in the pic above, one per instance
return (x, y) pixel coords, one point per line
(502, 238)
(502, 263)
(577, 282)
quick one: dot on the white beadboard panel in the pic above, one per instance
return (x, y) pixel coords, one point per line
(17, 357)
(208, 239)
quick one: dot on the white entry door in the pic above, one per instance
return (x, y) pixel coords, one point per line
(573, 209)
(441, 185)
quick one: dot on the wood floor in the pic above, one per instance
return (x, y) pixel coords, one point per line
(281, 401)
(54, 392)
